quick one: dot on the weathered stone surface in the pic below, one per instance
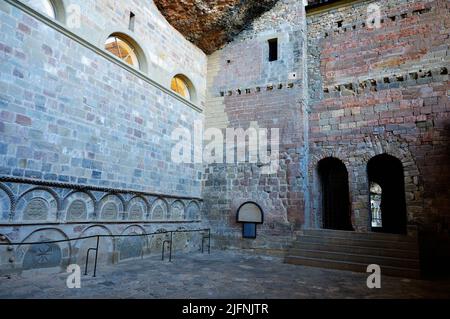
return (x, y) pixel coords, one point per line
(210, 24)
(221, 275)
(42, 256)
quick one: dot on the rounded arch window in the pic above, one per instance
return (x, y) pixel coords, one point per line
(181, 85)
(45, 6)
(123, 49)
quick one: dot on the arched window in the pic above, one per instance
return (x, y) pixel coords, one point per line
(181, 85)
(249, 215)
(122, 49)
(44, 6)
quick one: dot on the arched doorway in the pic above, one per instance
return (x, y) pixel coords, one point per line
(387, 194)
(336, 212)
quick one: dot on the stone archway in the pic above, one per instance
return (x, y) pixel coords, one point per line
(387, 195)
(315, 217)
(334, 194)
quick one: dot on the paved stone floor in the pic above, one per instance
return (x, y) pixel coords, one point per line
(221, 275)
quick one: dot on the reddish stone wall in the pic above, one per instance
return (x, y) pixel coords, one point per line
(246, 90)
(380, 91)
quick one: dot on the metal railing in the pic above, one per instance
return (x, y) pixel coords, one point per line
(97, 237)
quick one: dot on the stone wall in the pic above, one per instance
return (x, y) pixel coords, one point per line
(246, 90)
(166, 52)
(85, 140)
(46, 211)
(70, 115)
(384, 90)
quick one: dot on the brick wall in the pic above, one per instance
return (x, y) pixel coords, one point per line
(379, 91)
(246, 90)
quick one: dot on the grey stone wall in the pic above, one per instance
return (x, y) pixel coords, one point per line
(165, 51)
(246, 90)
(85, 140)
(70, 115)
(40, 212)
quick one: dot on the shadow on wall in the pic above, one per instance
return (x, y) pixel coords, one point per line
(435, 241)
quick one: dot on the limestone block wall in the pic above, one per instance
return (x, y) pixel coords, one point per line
(246, 90)
(85, 139)
(384, 90)
(166, 52)
(69, 114)
(46, 211)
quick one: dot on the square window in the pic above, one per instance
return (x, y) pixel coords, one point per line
(249, 230)
(273, 50)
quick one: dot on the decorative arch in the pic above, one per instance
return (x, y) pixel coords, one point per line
(38, 204)
(7, 203)
(46, 255)
(193, 211)
(106, 245)
(159, 210)
(177, 210)
(133, 246)
(111, 207)
(78, 206)
(356, 157)
(137, 208)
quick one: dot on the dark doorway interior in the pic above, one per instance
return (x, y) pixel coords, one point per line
(387, 172)
(335, 194)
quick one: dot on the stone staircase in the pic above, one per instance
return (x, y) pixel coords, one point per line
(397, 255)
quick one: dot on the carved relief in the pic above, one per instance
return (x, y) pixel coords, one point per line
(37, 209)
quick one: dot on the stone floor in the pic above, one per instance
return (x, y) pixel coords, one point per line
(221, 275)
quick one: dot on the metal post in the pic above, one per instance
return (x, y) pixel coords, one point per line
(96, 256)
(170, 252)
(203, 242)
(209, 241)
(87, 261)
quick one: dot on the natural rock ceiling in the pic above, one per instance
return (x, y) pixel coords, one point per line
(210, 24)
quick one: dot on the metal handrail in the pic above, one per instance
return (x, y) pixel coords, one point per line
(96, 256)
(96, 249)
(209, 241)
(170, 250)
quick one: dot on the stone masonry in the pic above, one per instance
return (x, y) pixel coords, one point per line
(86, 140)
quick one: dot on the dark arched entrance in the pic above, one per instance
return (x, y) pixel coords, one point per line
(387, 194)
(336, 213)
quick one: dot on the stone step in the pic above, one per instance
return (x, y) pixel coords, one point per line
(358, 242)
(355, 235)
(357, 258)
(374, 251)
(351, 266)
